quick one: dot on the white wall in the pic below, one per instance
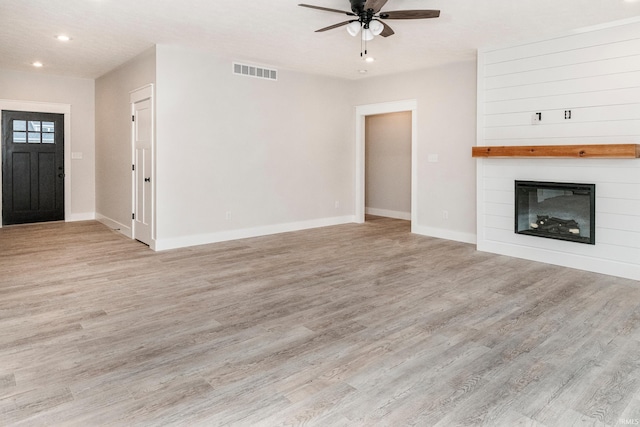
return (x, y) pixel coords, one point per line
(595, 73)
(388, 165)
(240, 156)
(446, 112)
(113, 138)
(78, 94)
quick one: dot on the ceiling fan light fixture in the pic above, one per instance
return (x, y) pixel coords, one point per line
(376, 27)
(353, 28)
(367, 35)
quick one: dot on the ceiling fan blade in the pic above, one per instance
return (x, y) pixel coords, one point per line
(410, 14)
(326, 9)
(387, 30)
(376, 5)
(331, 27)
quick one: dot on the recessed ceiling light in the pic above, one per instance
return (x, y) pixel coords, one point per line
(63, 38)
(362, 71)
(37, 64)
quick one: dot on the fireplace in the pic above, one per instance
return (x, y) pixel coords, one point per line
(556, 210)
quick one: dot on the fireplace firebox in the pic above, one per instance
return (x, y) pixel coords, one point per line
(556, 210)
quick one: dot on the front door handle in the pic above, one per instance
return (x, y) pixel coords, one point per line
(60, 175)
(147, 179)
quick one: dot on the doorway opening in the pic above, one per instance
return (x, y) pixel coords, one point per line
(388, 165)
(362, 112)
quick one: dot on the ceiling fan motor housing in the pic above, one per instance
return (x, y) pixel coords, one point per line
(357, 6)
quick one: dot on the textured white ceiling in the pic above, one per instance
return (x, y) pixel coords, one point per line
(277, 33)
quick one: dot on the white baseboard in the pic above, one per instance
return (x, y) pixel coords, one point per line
(114, 225)
(388, 213)
(441, 233)
(579, 262)
(223, 236)
(87, 216)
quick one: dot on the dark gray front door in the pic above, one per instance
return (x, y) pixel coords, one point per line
(32, 167)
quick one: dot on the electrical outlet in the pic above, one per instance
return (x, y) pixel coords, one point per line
(228, 216)
(536, 118)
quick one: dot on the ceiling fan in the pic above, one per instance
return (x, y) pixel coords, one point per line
(368, 18)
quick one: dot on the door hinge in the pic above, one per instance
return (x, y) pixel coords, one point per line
(133, 167)
(133, 118)
(133, 216)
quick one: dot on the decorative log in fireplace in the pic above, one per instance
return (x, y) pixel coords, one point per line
(564, 211)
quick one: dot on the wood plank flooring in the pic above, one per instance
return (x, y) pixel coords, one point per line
(352, 325)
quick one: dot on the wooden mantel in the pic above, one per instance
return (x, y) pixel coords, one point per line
(602, 151)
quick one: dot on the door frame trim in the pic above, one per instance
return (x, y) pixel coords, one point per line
(47, 107)
(362, 111)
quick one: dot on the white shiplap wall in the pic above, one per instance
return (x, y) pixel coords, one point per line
(595, 73)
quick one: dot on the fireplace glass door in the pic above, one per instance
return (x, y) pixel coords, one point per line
(563, 211)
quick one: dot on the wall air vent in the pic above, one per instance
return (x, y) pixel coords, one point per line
(253, 71)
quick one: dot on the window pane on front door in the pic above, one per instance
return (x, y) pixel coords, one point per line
(47, 138)
(19, 137)
(34, 137)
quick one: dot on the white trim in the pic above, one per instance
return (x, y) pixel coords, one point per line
(387, 107)
(442, 233)
(86, 216)
(223, 236)
(47, 107)
(388, 214)
(114, 225)
(579, 262)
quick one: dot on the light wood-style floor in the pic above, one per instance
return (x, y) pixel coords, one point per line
(353, 325)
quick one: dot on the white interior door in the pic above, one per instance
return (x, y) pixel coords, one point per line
(143, 181)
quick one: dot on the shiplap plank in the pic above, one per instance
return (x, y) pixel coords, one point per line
(565, 87)
(618, 206)
(579, 40)
(504, 210)
(618, 190)
(606, 251)
(618, 222)
(569, 57)
(622, 238)
(499, 184)
(578, 115)
(574, 170)
(600, 67)
(495, 196)
(558, 102)
(568, 140)
(563, 130)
